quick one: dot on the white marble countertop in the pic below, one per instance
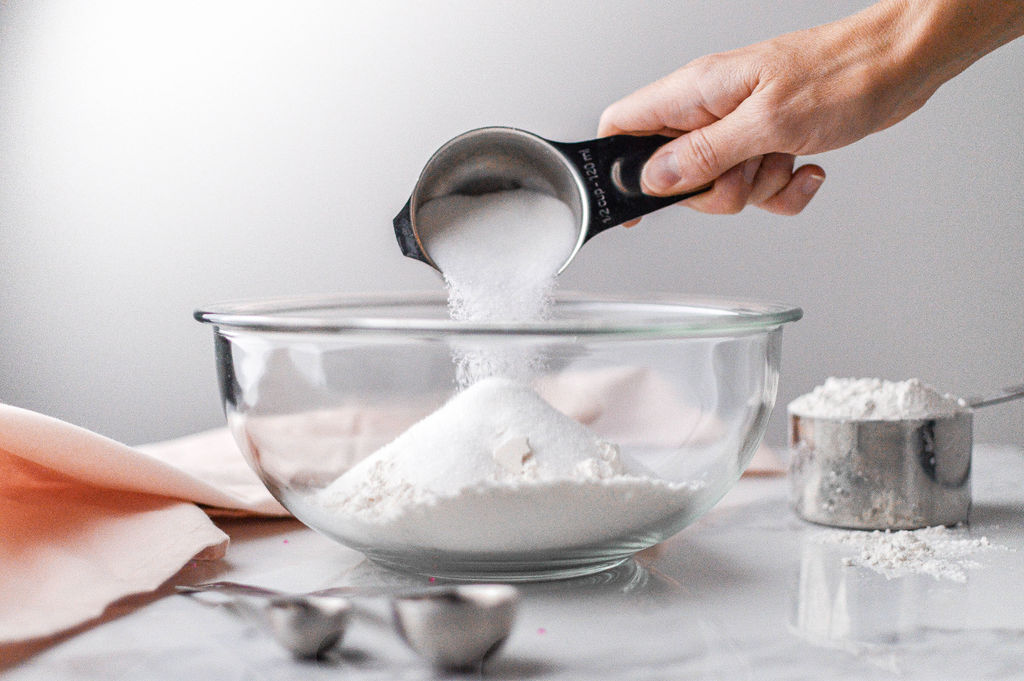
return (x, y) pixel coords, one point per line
(748, 592)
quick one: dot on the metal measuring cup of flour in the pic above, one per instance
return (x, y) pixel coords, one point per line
(598, 179)
(871, 474)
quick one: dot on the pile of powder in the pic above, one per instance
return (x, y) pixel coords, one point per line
(499, 252)
(497, 468)
(492, 432)
(936, 551)
(875, 399)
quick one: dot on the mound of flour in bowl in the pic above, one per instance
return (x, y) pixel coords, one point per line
(498, 469)
(875, 399)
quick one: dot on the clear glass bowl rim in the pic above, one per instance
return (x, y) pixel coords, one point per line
(657, 315)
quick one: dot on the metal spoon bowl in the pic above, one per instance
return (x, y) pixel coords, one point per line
(456, 627)
(307, 626)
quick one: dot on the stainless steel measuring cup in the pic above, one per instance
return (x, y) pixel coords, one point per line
(598, 179)
(885, 475)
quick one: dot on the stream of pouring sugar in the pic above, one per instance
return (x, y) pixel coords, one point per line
(500, 253)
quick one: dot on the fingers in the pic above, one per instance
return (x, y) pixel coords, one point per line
(797, 193)
(700, 156)
(767, 182)
(730, 192)
(691, 97)
(721, 130)
(727, 146)
(775, 173)
(666, 106)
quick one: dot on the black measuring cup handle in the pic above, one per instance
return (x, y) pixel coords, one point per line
(406, 235)
(610, 168)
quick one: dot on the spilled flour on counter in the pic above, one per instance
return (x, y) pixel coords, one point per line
(938, 551)
(856, 399)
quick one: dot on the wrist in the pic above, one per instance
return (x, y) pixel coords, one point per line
(938, 39)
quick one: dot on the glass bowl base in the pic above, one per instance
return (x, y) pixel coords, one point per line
(499, 570)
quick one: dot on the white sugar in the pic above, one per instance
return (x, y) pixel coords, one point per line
(875, 399)
(499, 252)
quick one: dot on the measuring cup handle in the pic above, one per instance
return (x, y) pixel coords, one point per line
(610, 168)
(1011, 392)
(407, 241)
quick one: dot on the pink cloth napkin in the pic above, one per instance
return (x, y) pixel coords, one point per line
(632, 405)
(85, 520)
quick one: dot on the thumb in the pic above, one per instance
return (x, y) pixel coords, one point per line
(702, 155)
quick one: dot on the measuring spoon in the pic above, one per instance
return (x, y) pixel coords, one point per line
(456, 627)
(452, 627)
(306, 625)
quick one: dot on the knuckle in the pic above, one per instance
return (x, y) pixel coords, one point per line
(723, 199)
(702, 153)
(783, 128)
(706, 72)
(605, 122)
(733, 205)
(703, 65)
(772, 115)
(779, 206)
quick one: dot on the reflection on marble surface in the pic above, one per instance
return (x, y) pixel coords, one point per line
(745, 593)
(917, 625)
(837, 604)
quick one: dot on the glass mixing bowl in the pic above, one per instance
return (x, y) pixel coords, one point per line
(682, 388)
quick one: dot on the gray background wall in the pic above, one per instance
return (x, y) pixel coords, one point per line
(155, 156)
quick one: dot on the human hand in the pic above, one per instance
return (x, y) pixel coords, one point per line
(742, 117)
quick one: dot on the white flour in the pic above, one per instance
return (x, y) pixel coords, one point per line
(495, 431)
(497, 469)
(936, 551)
(875, 399)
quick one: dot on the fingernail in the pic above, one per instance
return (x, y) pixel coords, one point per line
(812, 182)
(661, 172)
(750, 168)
